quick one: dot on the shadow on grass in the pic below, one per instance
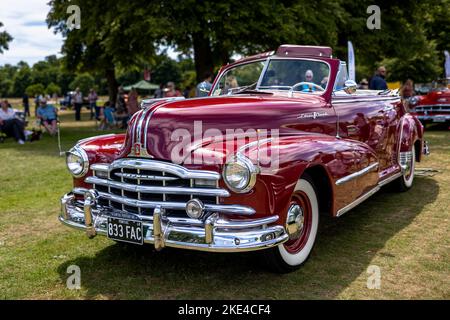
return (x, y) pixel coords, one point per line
(344, 249)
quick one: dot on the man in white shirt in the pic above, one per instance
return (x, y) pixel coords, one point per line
(9, 124)
(78, 102)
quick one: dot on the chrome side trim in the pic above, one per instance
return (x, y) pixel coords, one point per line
(357, 174)
(390, 179)
(357, 201)
(157, 190)
(367, 99)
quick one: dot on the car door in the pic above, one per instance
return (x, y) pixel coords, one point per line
(366, 118)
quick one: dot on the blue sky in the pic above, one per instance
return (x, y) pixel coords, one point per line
(24, 20)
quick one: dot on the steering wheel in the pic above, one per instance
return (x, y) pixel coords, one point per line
(291, 90)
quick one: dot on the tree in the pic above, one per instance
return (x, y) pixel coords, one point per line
(4, 39)
(83, 81)
(35, 89)
(166, 70)
(110, 37)
(53, 88)
(21, 80)
(215, 30)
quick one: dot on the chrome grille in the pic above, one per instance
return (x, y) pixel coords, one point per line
(433, 108)
(140, 185)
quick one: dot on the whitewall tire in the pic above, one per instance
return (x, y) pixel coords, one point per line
(302, 222)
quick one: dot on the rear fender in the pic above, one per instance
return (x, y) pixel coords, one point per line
(410, 132)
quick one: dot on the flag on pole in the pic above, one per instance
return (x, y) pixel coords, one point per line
(351, 62)
(447, 64)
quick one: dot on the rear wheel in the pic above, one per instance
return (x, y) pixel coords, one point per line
(302, 222)
(408, 161)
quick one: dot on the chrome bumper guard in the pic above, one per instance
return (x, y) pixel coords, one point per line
(216, 233)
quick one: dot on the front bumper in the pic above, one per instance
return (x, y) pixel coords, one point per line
(217, 233)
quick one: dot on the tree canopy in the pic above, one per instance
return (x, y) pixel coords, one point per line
(5, 37)
(121, 39)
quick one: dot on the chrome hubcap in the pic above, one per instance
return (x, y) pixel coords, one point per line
(295, 221)
(406, 159)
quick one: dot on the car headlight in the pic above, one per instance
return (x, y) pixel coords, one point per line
(77, 162)
(239, 174)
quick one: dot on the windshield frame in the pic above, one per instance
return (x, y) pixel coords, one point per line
(266, 61)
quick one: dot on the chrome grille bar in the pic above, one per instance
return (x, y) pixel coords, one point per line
(144, 177)
(171, 168)
(223, 208)
(158, 190)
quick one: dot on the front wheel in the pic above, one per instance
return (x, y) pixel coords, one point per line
(302, 221)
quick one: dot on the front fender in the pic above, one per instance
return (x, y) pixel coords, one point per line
(292, 156)
(100, 149)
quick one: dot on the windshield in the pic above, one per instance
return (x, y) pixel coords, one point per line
(299, 75)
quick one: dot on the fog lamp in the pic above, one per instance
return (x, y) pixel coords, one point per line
(194, 209)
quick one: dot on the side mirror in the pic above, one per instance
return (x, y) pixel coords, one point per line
(350, 86)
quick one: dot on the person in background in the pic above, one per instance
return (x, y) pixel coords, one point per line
(204, 87)
(26, 105)
(120, 99)
(171, 91)
(159, 93)
(9, 124)
(106, 116)
(187, 91)
(37, 98)
(92, 97)
(364, 84)
(48, 115)
(121, 112)
(407, 90)
(78, 103)
(378, 82)
(133, 103)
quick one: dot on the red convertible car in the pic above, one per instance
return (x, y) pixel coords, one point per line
(282, 138)
(434, 107)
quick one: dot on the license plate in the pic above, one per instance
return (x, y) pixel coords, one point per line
(125, 230)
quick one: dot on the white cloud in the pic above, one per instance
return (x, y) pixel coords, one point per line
(24, 20)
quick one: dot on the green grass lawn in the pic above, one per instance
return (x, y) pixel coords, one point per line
(405, 234)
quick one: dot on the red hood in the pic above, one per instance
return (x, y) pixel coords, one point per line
(212, 116)
(435, 97)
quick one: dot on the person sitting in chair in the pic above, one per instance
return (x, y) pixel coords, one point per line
(9, 124)
(48, 115)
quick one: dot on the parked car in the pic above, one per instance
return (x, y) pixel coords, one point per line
(282, 138)
(434, 107)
